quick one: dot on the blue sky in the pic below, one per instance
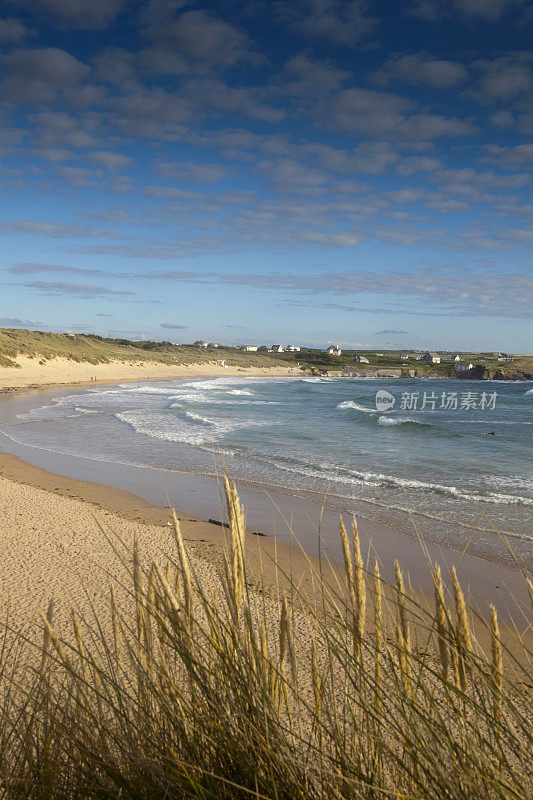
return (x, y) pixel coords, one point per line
(302, 171)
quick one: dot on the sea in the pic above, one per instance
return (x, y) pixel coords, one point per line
(450, 460)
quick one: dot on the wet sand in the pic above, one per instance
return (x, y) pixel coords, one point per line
(290, 525)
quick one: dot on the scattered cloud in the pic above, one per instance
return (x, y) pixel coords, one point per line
(12, 30)
(489, 10)
(80, 290)
(508, 80)
(335, 21)
(81, 14)
(421, 69)
(390, 332)
(195, 172)
(57, 230)
(38, 75)
(173, 326)
(33, 268)
(15, 322)
(288, 175)
(197, 35)
(457, 292)
(423, 152)
(385, 115)
(413, 164)
(109, 160)
(517, 156)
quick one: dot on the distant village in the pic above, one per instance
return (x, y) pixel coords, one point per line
(459, 361)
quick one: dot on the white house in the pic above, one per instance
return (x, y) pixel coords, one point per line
(293, 348)
(361, 360)
(277, 348)
(200, 343)
(456, 358)
(250, 348)
(505, 357)
(214, 344)
(463, 367)
(334, 350)
(430, 358)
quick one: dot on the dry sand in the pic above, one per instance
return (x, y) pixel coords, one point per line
(57, 546)
(63, 371)
(51, 542)
(50, 537)
(52, 546)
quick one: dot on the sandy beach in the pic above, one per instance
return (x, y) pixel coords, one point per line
(51, 526)
(54, 546)
(50, 534)
(65, 372)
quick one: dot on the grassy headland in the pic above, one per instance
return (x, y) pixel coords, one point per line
(485, 365)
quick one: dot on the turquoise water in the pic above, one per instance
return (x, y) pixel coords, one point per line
(431, 465)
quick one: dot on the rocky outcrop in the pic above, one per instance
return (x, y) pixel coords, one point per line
(481, 373)
(510, 375)
(365, 373)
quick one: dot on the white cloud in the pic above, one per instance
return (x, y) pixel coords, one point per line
(108, 159)
(520, 155)
(82, 14)
(192, 171)
(421, 69)
(34, 268)
(410, 165)
(198, 35)
(288, 175)
(81, 290)
(454, 292)
(12, 30)
(489, 10)
(508, 79)
(344, 22)
(37, 75)
(15, 322)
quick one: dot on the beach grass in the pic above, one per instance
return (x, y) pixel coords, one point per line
(92, 349)
(195, 690)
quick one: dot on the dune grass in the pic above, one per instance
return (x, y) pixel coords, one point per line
(93, 349)
(211, 691)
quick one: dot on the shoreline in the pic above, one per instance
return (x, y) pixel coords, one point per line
(80, 374)
(442, 532)
(486, 581)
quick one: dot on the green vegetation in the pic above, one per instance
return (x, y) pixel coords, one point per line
(97, 350)
(212, 692)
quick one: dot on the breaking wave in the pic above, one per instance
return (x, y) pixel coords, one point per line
(389, 421)
(355, 407)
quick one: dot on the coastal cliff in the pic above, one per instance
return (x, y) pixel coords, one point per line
(478, 373)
